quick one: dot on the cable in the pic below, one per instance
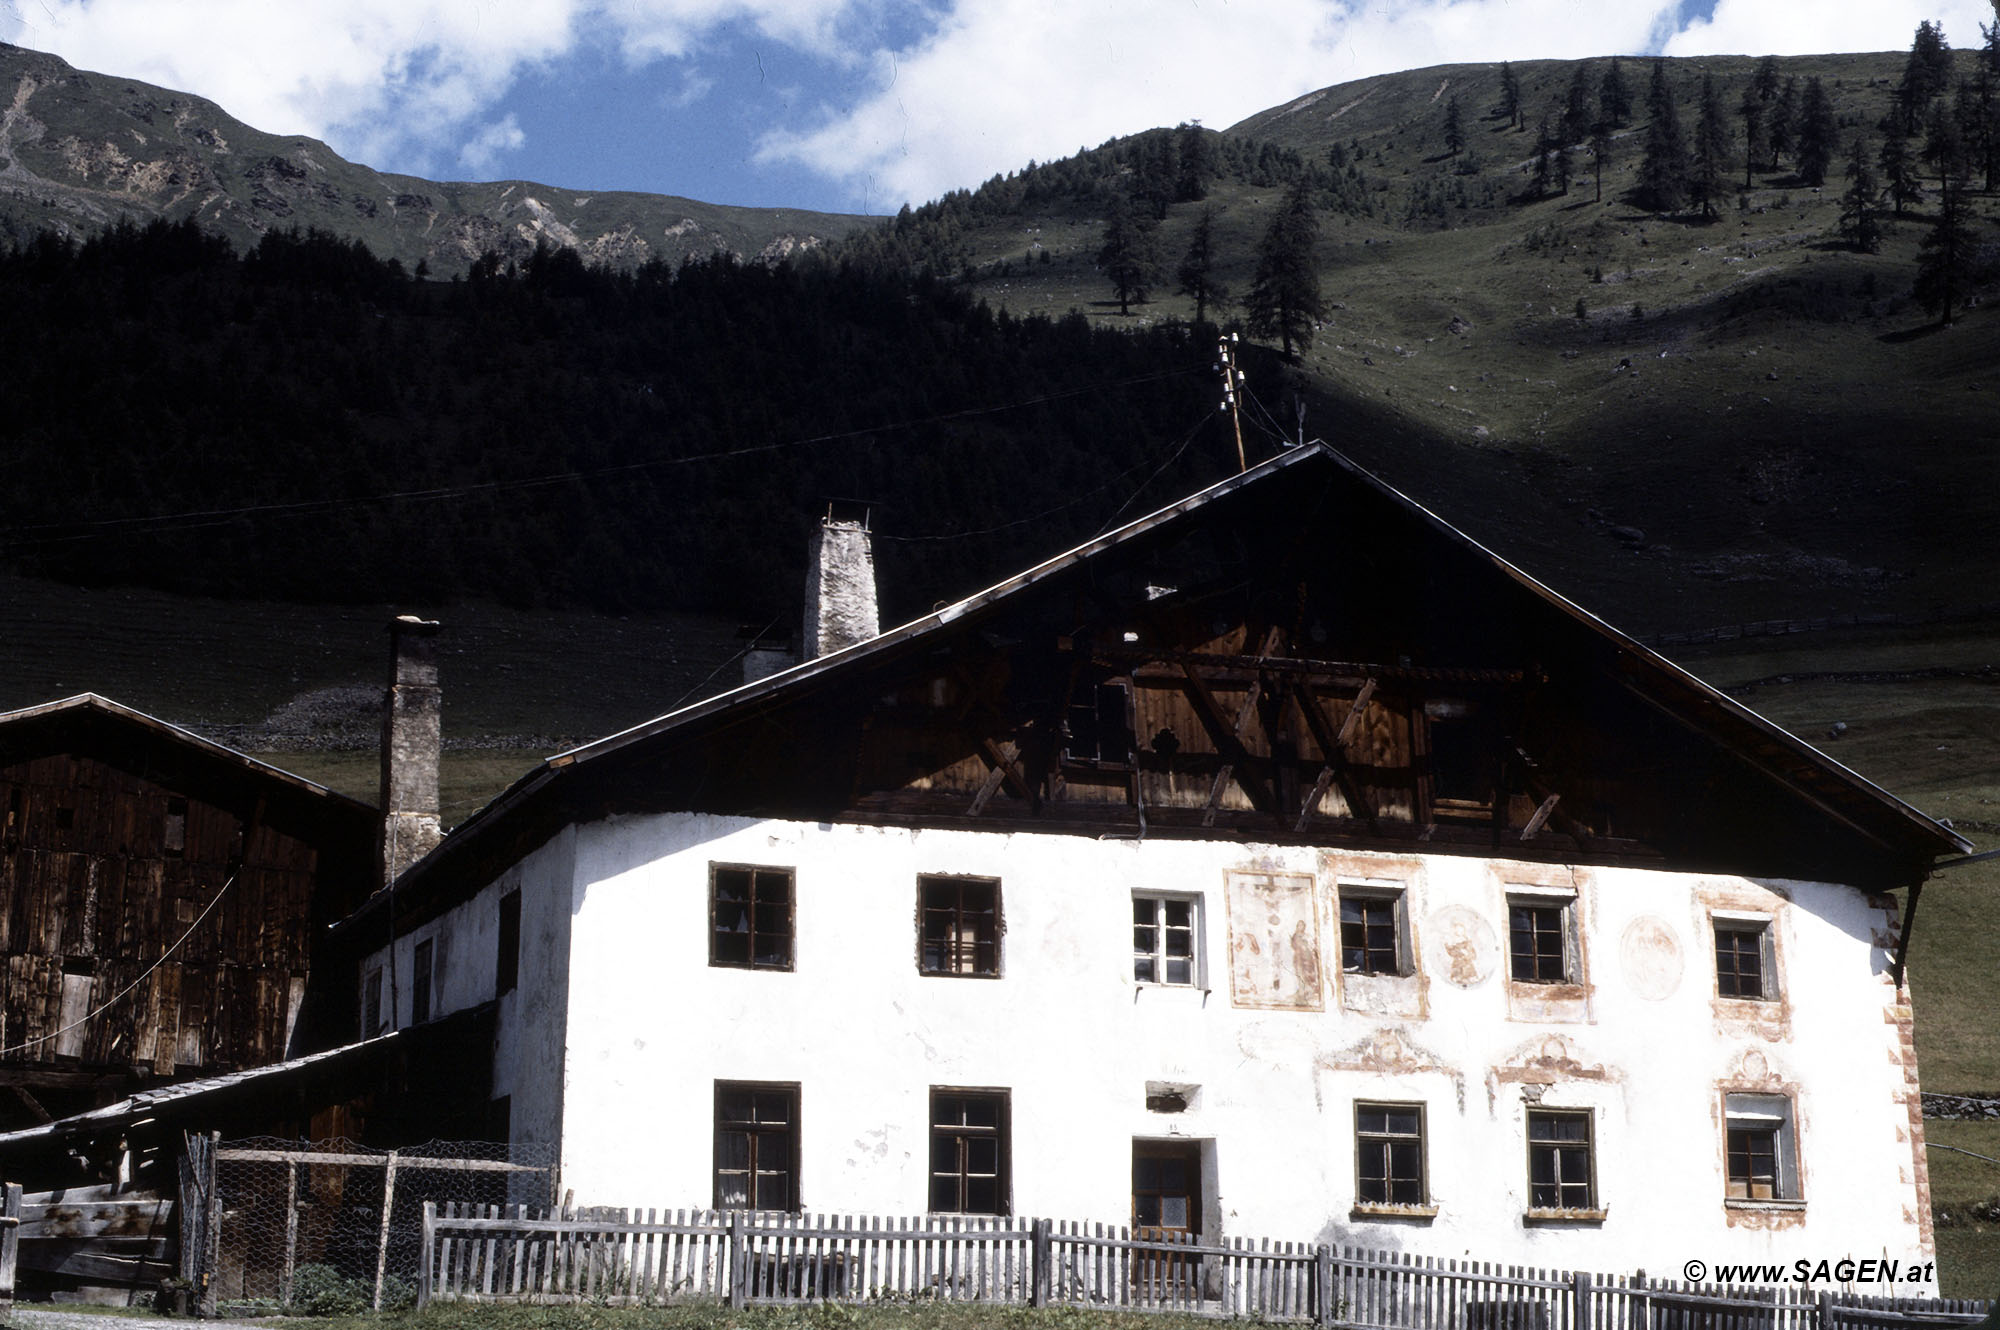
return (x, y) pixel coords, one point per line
(1182, 447)
(118, 997)
(216, 516)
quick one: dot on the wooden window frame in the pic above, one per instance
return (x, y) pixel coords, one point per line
(1556, 1150)
(959, 1136)
(1158, 956)
(371, 1003)
(1756, 1126)
(757, 875)
(423, 959)
(1397, 900)
(755, 1131)
(1736, 928)
(1564, 907)
(507, 957)
(954, 942)
(1383, 1140)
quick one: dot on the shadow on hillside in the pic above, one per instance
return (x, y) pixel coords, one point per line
(1916, 334)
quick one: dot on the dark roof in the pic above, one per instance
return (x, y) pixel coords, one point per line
(1828, 786)
(32, 730)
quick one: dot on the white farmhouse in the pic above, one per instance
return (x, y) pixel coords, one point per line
(1283, 864)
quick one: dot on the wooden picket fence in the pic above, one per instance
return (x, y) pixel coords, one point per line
(516, 1253)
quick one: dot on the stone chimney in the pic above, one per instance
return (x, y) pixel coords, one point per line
(840, 589)
(411, 738)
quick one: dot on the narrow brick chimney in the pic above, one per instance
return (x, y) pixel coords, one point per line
(840, 589)
(411, 738)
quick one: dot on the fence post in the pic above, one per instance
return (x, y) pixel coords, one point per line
(382, 1243)
(1823, 1311)
(10, 1244)
(1580, 1316)
(1039, 1273)
(738, 1262)
(424, 1260)
(1323, 1309)
(211, 1250)
(291, 1231)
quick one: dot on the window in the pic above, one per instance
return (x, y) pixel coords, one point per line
(959, 926)
(1464, 745)
(1389, 1154)
(750, 917)
(1561, 1164)
(1743, 959)
(371, 1004)
(1371, 932)
(969, 1152)
(1539, 939)
(420, 984)
(756, 1146)
(1098, 725)
(175, 830)
(1163, 940)
(1760, 1151)
(507, 963)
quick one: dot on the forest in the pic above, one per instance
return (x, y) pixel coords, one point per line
(306, 422)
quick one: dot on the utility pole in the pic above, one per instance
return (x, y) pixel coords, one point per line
(1232, 381)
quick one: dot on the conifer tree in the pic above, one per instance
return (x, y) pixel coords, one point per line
(1602, 145)
(1860, 221)
(1926, 74)
(1576, 117)
(1899, 167)
(1711, 149)
(1545, 147)
(1784, 117)
(1284, 296)
(1614, 97)
(1454, 128)
(1510, 96)
(1196, 274)
(1946, 259)
(1197, 161)
(1130, 253)
(1663, 171)
(1817, 129)
(1755, 129)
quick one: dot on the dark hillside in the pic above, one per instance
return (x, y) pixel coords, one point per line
(305, 422)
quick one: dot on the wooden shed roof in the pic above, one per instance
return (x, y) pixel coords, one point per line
(1293, 483)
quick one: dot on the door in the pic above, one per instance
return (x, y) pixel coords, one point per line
(1166, 1207)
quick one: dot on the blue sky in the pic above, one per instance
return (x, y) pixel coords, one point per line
(847, 105)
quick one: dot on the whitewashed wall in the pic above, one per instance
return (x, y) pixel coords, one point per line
(651, 1027)
(531, 1021)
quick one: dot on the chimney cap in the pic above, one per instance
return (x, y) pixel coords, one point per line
(848, 512)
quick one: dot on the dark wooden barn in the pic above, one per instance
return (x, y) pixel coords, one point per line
(160, 901)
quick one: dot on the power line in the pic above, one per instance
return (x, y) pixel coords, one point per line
(70, 532)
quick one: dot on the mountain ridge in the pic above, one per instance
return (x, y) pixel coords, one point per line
(80, 149)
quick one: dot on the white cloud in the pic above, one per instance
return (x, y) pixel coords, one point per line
(390, 81)
(491, 143)
(1003, 81)
(1760, 27)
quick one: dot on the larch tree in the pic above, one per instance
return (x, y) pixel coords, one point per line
(1284, 299)
(1576, 117)
(1947, 259)
(1663, 171)
(1196, 273)
(1603, 143)
(1755, 127)
(1614, 97)
(1454, 128)
(1711, 149)
(1899, 167)
(1510, 96)
(1817, 130)
(1860, 206)
(1130, 253)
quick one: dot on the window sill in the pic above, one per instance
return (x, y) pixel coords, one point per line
(1373, 1210)
(1540, 1216)
(1744, 1203)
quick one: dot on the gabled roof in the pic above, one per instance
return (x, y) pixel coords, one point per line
(166, 754)
(1829, 787)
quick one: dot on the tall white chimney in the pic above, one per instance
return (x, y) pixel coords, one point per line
(411, 739)
(840, 589)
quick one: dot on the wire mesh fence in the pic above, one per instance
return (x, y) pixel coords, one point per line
(339, 1226)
